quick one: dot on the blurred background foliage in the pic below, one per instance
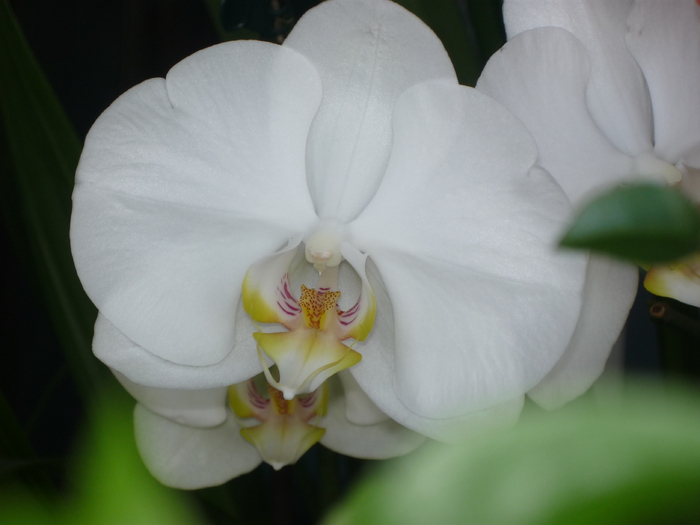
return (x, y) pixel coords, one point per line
(629, 457)
(61, 64)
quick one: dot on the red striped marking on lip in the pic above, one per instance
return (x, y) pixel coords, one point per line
(309, 400)
(292, 313)
(352, 312)
(286, 301)
(255, 398)
(285, 288)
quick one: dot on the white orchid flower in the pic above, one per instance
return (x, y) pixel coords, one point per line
(610, 91)
(337, 208)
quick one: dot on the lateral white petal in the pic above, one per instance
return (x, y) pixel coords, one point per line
(664, 37)
(379, 440)
(359, 408)
(191, 458)
(607, 298)
(541, 76)
(121, 354)
(195, 408)
(367, 53)
(375, 375)
(463, 237)
(183, 183)
(616, 94)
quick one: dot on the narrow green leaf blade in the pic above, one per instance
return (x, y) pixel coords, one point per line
(36, 191)
(18, 462)
(643, 223)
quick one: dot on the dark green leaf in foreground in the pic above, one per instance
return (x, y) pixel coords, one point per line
(643, 223)
(615, 462)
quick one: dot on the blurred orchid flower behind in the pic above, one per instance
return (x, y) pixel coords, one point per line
(329, 240)
(609, 91)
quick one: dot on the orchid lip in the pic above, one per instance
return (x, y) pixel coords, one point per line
(312, 348)
(287, 428)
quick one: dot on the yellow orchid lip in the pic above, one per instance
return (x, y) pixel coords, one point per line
(312, 349)
(288, 426)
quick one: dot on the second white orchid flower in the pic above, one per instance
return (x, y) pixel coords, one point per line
(609, 90)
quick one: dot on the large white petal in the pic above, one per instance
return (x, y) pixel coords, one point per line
(384, 439)
(617, 96)
(367, 53)
(183, 183)
(607, 298)
(195, 408)
(541, 76)
(375, 375)
(464, 239)
(664, 37)
(118, 352)
(191, 458)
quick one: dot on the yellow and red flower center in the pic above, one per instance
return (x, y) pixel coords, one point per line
(287, 428)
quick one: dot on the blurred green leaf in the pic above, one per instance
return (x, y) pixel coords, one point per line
(615, 462)
(36, 191)
(112, 485)
(17, 506)
(642, 223)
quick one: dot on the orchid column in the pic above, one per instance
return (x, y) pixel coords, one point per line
(331, 234)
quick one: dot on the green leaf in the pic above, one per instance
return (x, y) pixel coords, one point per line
(18, 506)
(605, 461)
(114, 486)
(642, 223)
(40, 153)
